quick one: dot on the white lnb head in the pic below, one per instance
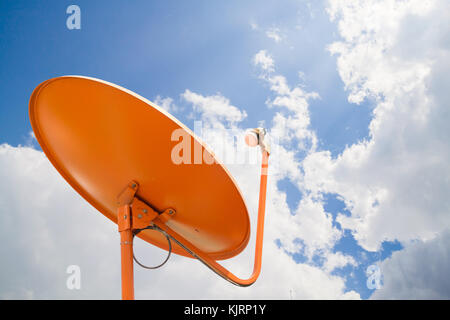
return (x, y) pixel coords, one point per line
(251, 138)
(257, 136)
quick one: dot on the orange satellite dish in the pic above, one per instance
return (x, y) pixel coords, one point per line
(117, 150)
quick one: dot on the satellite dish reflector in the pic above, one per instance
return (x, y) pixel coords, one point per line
(120, 152)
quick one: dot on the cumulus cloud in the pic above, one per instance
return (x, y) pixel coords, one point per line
(418, 272)
(264, 60)
(45, 227)
(338, 260)
(394, 183)
(309, 228)
(166, 103)
(214, 109)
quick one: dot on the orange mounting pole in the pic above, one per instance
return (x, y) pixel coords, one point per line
(126, 251)
(212, 264)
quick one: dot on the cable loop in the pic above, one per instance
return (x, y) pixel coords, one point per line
(136, 231)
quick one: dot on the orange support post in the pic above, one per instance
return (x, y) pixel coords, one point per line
(126, 251)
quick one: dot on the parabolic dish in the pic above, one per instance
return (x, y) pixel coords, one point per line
(100, 137)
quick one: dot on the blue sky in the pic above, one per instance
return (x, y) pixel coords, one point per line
(163, 48)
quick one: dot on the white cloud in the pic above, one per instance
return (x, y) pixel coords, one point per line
(293, 120)
(338, 260)
(215, 108)
(274, 33)
(367, 62)
(310, 223)
(263, 60)
(166, 103)
(395, 183)
(45, 227)
(314, 226)
(417, 272)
